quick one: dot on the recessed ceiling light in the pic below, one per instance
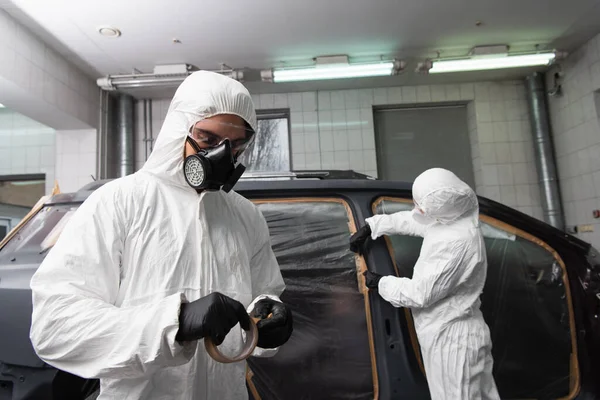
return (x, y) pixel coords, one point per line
(109, 31)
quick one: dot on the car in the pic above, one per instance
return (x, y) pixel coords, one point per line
(541, 299)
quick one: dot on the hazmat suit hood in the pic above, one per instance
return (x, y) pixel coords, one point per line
(444, 198)
(201, 95)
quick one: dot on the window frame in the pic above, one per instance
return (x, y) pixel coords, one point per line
(22, 177)
(575, 373)
(279, 113)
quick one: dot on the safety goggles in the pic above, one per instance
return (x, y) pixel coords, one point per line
(417, 207)
(240, 137)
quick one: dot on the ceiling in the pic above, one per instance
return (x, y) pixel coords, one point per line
(267, 33)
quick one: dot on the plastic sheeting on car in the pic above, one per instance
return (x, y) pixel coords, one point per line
(328, 355)
(525, 304)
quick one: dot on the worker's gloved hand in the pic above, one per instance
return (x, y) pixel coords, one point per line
(211, 316)
(276, 330)
(372, 279)
(361, 239)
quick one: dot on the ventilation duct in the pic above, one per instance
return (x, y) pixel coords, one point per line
(163, 76)
(124, 137)
(544, 151)
(105, 137)
(101, 137)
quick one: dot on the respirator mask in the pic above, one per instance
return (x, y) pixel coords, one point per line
(419, 216)
(214, 168)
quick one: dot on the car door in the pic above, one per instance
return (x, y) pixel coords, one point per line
(527, 303)
(330, 354)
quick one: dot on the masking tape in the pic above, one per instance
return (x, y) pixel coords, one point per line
(247, 350)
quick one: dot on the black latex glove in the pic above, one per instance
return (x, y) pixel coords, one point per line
(276, 330)
(361, 239)
(372, 279)
(211, 316)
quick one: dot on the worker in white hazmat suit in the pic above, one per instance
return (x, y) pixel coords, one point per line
(153, 262)
(447, 282)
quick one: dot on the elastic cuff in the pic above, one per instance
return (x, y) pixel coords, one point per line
(259, 298)
(184, 350)
(381, 285)
(371, 222)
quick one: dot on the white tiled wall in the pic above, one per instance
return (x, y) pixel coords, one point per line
(503, 147)
(26, 146)
(334, 129)
(75, 158)
(576, 130)
(44, 75)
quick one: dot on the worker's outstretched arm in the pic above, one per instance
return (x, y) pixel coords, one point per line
(400, 223)
(436, 275)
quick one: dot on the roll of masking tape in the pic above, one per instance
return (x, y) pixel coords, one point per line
(247, 350)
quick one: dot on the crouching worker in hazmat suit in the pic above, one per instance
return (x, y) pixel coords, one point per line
(444, 291)
(155, 261)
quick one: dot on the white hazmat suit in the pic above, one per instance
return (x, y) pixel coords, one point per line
(444, 291)
(106, 299)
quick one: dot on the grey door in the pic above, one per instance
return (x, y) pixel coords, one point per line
(411, 140)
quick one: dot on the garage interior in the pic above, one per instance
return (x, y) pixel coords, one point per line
(84, 93)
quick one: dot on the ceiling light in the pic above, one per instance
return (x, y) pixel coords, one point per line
(109, 31)
(491, 62)
(170, 75)
(334, 70)
(1, 105)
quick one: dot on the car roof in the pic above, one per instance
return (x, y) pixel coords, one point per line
(303, 181)
(247, 187)
(315, 183)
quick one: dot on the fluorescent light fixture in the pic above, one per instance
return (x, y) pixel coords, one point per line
(487, 63)
(334, 72)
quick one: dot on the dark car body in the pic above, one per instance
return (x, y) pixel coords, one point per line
(541, 300)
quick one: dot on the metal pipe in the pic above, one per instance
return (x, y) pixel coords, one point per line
(99, 136)
(544, 151)
(150, 121)
(125, 136)
(108, 127)
(145, 130)
(108, 124)
(103, 135)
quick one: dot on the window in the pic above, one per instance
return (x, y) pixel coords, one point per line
(526, 303)
(18, 193)
(40, 233)
(330, 352)
(271, 149)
